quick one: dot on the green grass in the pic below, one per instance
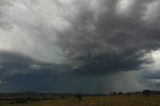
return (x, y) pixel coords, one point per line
(136, 100)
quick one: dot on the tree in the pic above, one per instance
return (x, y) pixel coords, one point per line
(146, 92)
(79, 96)
(120, 93)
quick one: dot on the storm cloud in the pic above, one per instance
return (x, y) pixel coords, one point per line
(17, 64)
(87, 38)
(112, 39)
(96, 36)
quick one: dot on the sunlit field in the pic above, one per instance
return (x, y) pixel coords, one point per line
(123, 100)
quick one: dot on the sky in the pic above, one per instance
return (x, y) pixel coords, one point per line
(88, 46)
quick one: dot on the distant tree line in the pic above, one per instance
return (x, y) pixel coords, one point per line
(145, 92)
(116, 93)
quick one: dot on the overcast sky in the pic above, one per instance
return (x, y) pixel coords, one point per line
(90, 46)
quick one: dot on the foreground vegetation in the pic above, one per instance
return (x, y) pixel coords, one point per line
(121, 100)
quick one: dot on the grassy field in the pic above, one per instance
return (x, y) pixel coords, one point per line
(137, 100)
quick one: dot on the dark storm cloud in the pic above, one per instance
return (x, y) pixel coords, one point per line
(67, 45)
(95, 36)
(22, 73)
(108, 41)
(18, 64)
(108, 64)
